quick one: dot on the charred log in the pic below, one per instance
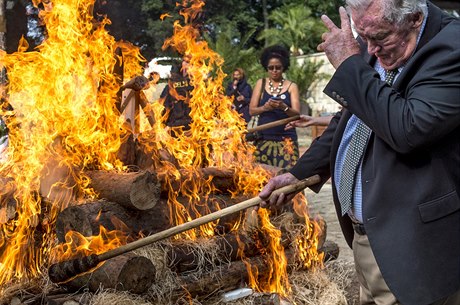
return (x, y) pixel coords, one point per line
(135, 190)
(127, 272)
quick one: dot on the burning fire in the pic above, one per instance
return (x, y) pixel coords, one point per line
(64, 122)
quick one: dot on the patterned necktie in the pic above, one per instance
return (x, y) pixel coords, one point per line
(353, 157)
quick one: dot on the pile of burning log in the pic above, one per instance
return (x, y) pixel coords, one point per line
(200, 270)
(137, 203)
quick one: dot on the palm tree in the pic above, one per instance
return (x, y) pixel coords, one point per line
(295, 27)
(230, 45)
(305, 75)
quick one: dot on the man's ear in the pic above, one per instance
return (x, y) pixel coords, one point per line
(416, 20)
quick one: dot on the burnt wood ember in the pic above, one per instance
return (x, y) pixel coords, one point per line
(127, 272)
(134, 190)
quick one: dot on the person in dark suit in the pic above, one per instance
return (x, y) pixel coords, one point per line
(402, 214)
(176, 96)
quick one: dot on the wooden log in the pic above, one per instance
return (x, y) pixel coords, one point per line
(7, 201)
(127, 151)
(67, 299)
(127, 272)
(222, 179)
(225, 277)
(57, 184)
(87, 218)
(135, 190)
(184, 256)
(331, 250)
(231, 276)
(270, 299)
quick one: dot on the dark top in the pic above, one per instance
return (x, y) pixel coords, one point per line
(410, 169)
(245, 90)
(176, 97)
(275, 133)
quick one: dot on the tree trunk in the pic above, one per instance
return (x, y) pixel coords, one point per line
(137, 190)
(127, 272)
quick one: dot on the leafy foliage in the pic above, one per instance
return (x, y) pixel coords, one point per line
(295, 27)
(304, 75)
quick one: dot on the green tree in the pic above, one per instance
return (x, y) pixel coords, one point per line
(295, 27)
(305, 75)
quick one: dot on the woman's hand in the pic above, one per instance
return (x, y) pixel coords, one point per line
(268, 106)
(306, 120)
(277, 104)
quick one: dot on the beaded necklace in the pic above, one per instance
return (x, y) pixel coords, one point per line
(275, 91)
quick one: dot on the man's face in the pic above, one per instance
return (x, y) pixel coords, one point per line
(392, 44)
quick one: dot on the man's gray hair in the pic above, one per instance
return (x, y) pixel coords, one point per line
(394, 11)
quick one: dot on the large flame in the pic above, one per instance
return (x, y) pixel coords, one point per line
(63, 97)
(65, 121)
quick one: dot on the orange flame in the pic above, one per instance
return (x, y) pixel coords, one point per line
(307, 244)
(64, 122)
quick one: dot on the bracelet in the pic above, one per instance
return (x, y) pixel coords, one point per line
(286, 109)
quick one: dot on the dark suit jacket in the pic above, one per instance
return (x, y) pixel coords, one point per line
(411, 167)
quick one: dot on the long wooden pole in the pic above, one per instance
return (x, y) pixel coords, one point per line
(273, 124)
(62, 271)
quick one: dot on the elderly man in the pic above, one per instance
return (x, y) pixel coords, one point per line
(393, 152)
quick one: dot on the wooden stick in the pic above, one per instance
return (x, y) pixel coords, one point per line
(274, 124)
(60, 272)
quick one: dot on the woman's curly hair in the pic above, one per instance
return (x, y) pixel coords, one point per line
(275, 51)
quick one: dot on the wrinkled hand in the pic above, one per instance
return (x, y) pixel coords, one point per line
(338, 43)
(240, 98)
(277, 200)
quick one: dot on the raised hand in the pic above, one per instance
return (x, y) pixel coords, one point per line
(338, 43)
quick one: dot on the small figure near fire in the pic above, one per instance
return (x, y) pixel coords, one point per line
(176, 97)
(393, 150)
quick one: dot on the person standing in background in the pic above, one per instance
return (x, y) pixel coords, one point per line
(241, 92)
(275, 98)
(176, 96)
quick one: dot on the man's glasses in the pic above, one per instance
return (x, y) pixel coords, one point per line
(278, 68)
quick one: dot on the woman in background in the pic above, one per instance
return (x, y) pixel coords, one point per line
(275, 98)
(241, 92)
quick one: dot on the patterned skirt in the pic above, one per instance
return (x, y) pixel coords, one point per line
(282, 154)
